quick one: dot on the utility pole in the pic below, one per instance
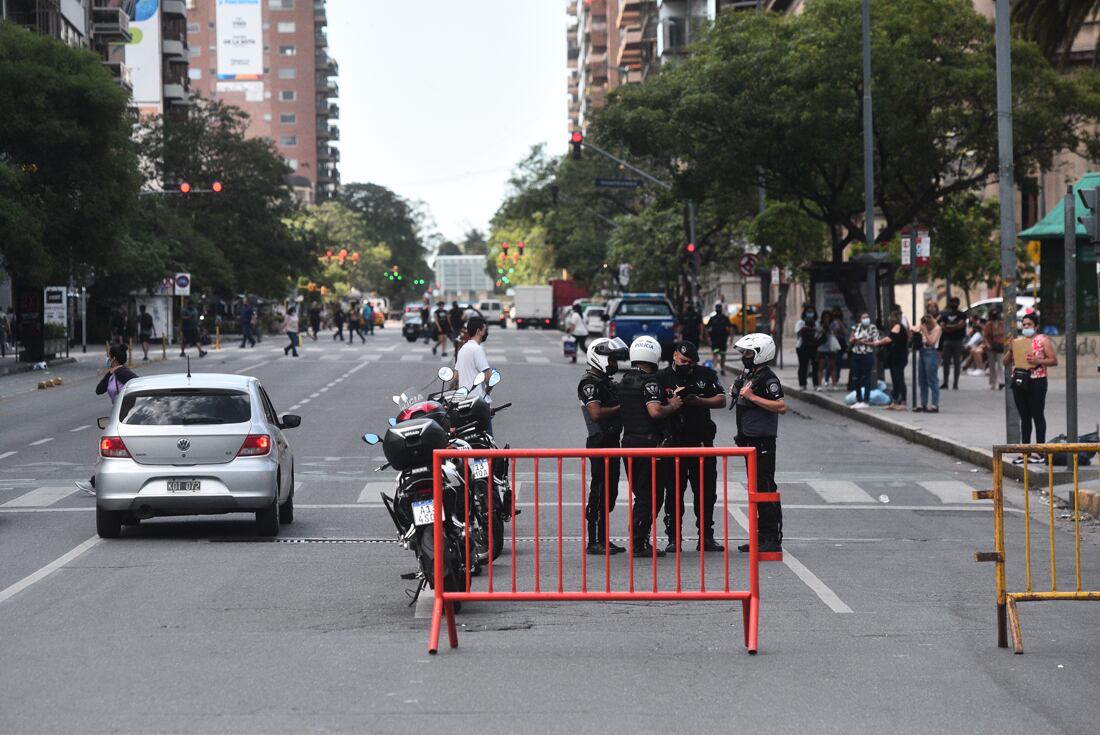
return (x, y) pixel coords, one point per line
(1007, 193)
(1070, 242)
(868, 141)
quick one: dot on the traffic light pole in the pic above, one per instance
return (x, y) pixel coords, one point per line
(1070, 241)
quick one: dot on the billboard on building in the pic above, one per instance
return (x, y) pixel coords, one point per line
(240, 39)
(143, 58)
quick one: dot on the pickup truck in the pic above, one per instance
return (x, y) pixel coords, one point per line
(634, 314)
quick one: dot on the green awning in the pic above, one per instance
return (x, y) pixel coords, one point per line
(1053, 226)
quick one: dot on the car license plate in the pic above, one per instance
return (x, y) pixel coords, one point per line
(479, 469)
(184, 486)
(423, 513)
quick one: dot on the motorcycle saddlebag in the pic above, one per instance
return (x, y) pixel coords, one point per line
(411, 443)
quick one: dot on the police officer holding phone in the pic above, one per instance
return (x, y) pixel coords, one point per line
(758, 398)
(601, 410)
(693, 427)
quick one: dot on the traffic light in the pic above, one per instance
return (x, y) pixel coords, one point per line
(216, 187)
(520, 246)
(691, 247)
(185, 188)
(1091, 220)
(504, 248)
(576, 140)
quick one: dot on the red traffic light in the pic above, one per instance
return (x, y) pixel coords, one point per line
(576, 137)
(691, 247)
(185, 188)
(217, 187)
(520, 246)
(504, 247)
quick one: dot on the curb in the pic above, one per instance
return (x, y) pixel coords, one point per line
(26, 367)
(979, 457)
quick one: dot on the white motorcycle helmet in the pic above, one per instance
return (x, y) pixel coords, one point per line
(645, 349)
(762, 347)
(603, 350)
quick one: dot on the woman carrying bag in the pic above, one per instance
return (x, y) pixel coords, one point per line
(1029, 382)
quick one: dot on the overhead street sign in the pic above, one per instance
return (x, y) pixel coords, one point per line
(746, 264)
(619, 183)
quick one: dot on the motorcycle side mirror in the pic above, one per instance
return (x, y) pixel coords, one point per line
(494, 379)
(393, 421)
(479, 379)
(371, 439)
(460, 394)
(396, 400)
(445, 374)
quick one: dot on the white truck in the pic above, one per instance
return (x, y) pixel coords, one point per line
(533, 307)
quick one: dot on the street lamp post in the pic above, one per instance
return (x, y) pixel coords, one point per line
(868, 148)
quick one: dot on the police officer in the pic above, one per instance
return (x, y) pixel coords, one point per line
(758, 397)
(645, 412)
(601, 417)
(693, 427)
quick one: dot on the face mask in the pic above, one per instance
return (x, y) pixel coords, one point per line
(1027, 332)
(747, 362)
(683, 370)
(810, 314)
(611, 369)
(865, 322)
(107, 363)
(485, 336)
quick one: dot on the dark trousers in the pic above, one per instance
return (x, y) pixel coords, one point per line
(952, 350)
(863, 368)
(594, 510)
(339, 333)
(704, 492)
(1031, 404)
(897, 383)
(806, 358)
(247, 336)
(647, 502)
(769, 516)
(293, 346)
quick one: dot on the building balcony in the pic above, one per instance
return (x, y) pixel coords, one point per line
(598, 38)
(334, 133)
(120, 72)
(328, 154)
(320, 17)
(110, 24)
(175, 93)
(173, 48)
(320, 39)
(334, 111)
(630, 13)
(331, 89)
(326, 64)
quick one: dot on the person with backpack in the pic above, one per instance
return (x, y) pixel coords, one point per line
(993, 340)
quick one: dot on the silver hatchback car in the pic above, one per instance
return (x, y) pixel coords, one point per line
(192, 445)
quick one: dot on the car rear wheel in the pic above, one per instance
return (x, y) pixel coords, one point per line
(108, 523)
(286, 510)
(267, 520)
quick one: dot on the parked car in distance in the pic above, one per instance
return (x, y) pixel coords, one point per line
(748, 326)
(594, 319)
(194, 445)
(981, 309)
(634, 314)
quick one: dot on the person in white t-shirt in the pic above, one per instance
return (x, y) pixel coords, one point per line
(472, 360)
(575, 326)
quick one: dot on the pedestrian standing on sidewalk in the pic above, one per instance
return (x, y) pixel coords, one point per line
(805, 346)
(290, 326)
(953, 323)
(117, 376)
(827, 352)
(146, 330)
(247, 313)
(1029, 382)
(338, 318)
(576, 327)
(974, 362)
(928, 365)
(864, 341)
(5, 333)
(993, 340)
(897, 357)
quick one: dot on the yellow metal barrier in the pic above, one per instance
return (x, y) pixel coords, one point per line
(1007, 614)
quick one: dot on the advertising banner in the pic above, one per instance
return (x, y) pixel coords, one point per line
(56, 310)
(240, 39)
(143, 58)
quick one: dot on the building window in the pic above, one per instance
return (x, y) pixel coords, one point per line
(287, 27)
(194, 27)
(194, 74)
(288, 141)
(267, 117)
(288, 51)
(280, 4)
(293, 163)
(288, 118)
(288, 72)
(194, 51)
(210, 25)
(288, 95)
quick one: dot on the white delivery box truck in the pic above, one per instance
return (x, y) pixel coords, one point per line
(533, 307)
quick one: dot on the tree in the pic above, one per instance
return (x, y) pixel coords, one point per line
(332, 228)
(68, 171)
(397, 224)
(779, 97)
(1054, 24)
(473, 243)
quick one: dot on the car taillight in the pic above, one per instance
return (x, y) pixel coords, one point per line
(112, 446)
(611, 329)
(255, 445)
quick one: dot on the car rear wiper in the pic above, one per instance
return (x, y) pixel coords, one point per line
(203, 420)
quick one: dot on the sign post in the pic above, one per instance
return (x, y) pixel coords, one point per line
(746, 266)
(181, 286)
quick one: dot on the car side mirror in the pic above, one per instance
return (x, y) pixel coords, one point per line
(290, 421)
(101, 422)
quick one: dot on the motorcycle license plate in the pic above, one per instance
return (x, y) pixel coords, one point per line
(184, 486)
(423, 513)
(479, 469)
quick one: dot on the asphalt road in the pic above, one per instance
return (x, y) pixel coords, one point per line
(877, 621)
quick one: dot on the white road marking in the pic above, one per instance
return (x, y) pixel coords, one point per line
(951, 491)
(532, 352)
(810, 579)
(554, 503)
(295, 407)
(47, 570)
(303, 402)
(840, 491)
(391, 348)
(5, 455)
(500, 359)
(537, 360)
(297, 487)
(41, 441)
(323, 390)
(372, 358)
(370, 491)
(314, 395)
(412, 357)
(81, 428)
(330, 357)
(254, 365)
(41, 497)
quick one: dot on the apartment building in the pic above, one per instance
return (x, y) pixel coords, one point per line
(270, 58)
(591, 36)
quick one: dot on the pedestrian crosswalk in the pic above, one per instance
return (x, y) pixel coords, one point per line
(416, 353)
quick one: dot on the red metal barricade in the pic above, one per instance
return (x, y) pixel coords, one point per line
(749, 597)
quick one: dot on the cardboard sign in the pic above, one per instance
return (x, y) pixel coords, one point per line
(1020, 347)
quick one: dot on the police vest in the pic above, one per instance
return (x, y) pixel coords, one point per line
(751, 419)
(635, 415)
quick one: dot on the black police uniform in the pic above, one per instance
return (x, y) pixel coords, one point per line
(693, 427)
(637, 390)
(598, 388)
(757, 427)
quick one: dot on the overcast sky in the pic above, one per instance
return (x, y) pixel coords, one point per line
(439, 98)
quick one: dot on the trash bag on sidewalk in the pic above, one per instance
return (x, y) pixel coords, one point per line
(1083, 458)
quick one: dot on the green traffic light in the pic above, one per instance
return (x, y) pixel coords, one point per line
(511, 270)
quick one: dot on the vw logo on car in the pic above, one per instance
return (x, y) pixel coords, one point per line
(183, 445)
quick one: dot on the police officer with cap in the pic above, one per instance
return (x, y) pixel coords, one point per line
(601, 408)
(645, 412)
(758, 398)
(692, 427)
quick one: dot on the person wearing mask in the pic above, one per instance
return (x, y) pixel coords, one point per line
(758, 398)
(576, 327)
(472, 360)
(368, 318)
(247, 312)
(442, 328)
(897, 357)
(691, 324)
(993, 341)
(645, 412)
(828, 352)
(189, 322)
(338, 318)
(146, 330)
(290, 326)
(953, 323)
(929, 333)
(111, 383)
(718, 334)
(1029, 382)
(700, 390)
(864, 340)
(600, 409)
(807, 337)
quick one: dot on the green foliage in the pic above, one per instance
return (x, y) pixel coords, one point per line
(789, 237)
(332, 227)
(1053, 25)
(397, 224)
(67, 165)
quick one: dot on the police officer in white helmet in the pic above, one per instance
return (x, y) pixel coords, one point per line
(645, 409)
(758, 397)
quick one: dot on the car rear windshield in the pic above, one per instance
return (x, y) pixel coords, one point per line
(643, 308)
(185, 407)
